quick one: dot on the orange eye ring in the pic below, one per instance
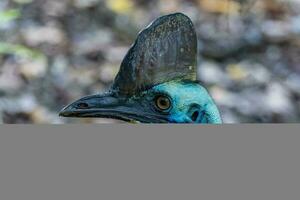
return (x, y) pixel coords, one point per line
(162, 103)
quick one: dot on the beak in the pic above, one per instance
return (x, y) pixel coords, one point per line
(109, 106)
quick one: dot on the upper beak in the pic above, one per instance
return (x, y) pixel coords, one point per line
(109, 106)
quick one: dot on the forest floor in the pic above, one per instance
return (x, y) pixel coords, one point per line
(53, 52)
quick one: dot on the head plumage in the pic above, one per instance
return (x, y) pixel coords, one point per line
(165, 50)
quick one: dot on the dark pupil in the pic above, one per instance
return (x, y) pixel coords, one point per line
(163, 102)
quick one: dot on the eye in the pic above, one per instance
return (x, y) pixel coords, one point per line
(162, 102)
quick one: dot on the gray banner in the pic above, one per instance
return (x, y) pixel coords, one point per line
(141, 162)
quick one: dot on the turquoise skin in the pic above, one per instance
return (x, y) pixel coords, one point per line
(186, 99)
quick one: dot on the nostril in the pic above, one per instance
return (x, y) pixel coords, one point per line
(195, 116)
(82, 105)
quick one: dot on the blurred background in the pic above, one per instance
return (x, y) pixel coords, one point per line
(55, 51)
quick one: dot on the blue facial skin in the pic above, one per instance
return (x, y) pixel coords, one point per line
(190, 103)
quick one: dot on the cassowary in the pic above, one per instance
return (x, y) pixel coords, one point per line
(157, 80)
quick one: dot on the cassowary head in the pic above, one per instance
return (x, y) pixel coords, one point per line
(156, 82)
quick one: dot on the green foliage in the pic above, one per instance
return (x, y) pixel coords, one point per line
(23, 1)
(9, 15)
(20, 51)
(16, 49)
